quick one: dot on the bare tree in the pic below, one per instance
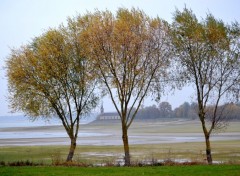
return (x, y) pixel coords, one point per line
(50, 78)
(207, 53)
(130, 51)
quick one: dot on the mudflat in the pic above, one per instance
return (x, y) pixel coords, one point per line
(103, 133)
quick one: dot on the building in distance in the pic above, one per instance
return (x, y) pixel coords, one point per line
(108, 115)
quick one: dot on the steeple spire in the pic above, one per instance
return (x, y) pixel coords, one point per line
(102, 109)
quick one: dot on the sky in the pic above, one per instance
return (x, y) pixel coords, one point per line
(22, 20)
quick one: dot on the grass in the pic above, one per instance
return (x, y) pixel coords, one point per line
(191, 126)
(226, 151)
(199, 170)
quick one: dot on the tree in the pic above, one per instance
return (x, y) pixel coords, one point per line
(183, 111)
(130, 51)
(49, 78)
(208, 56)
(149, 112)
(165, 110)
(193, 110)
(233, 111)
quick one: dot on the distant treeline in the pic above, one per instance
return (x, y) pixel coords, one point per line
(230, 111)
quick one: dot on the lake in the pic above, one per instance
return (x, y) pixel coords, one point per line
(23, 121)
(17, 127)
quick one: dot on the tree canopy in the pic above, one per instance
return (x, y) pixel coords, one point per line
(50, 78)
(130, 50)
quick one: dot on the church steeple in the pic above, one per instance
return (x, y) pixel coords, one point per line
(102, 109)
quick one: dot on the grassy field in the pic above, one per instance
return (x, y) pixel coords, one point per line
(200, 170)
(224, 151)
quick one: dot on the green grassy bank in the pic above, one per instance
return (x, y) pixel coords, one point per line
(200, 170)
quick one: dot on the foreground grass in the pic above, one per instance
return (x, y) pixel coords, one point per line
(200, 170)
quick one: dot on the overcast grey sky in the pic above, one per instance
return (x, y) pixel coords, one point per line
(22, 20)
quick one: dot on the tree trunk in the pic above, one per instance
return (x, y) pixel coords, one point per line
(72, 149)
(208, 150)
(206, 135)
(126, 146)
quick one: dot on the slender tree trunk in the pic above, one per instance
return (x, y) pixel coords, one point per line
(207, 141)
(72, 149)
(206, 135)
(126, 146)
(208, 150)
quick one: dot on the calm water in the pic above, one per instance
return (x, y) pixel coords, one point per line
(22, 121)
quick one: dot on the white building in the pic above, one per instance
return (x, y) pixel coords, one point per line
(108, 115)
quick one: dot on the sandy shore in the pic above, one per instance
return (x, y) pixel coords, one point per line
(110, 134)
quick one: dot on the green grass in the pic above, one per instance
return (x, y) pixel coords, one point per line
(200, 170)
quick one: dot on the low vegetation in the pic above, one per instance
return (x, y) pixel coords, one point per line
(225, 152)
